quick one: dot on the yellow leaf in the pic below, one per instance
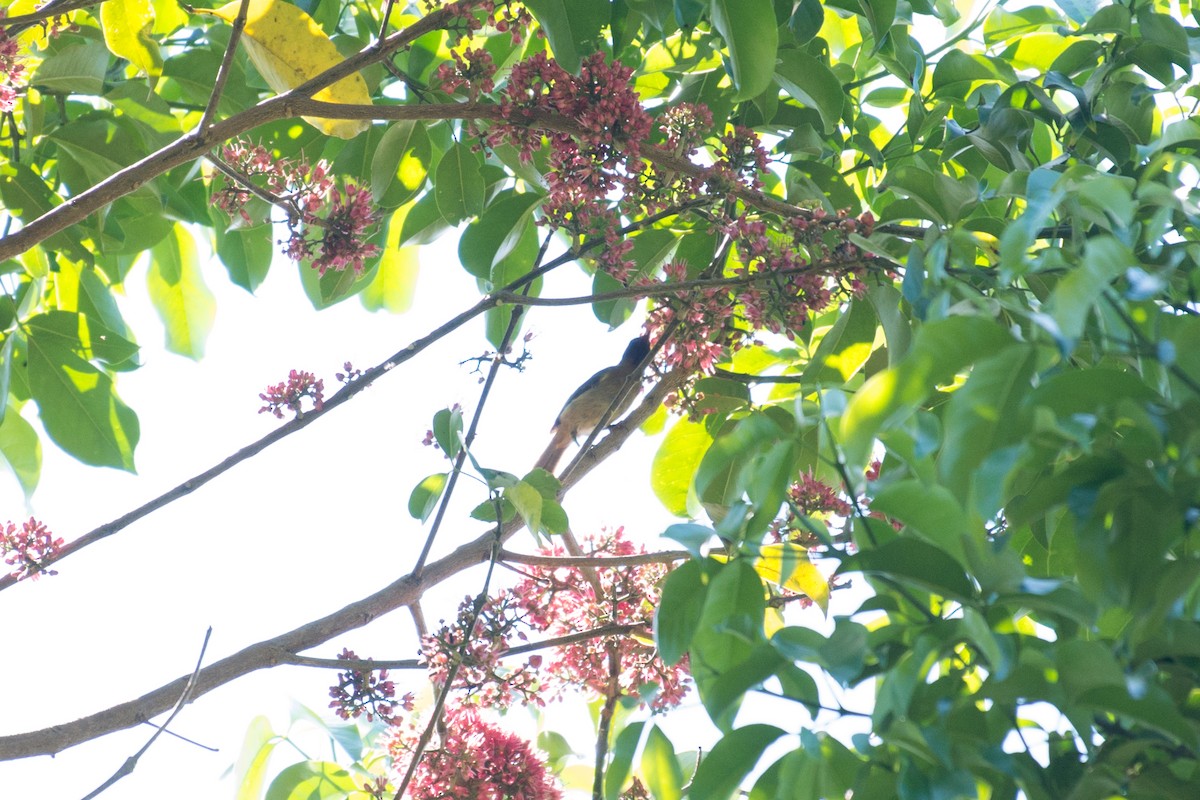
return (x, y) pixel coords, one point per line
(127, 25)
(396, 281)
(787, 565)
(288, 48)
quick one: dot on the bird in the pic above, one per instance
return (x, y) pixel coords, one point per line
(587, 405)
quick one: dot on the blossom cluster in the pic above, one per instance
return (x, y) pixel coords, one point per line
(469, 16)
(28, 548)
(328, 225)
(473, 70)
(12, 70)
(362, 691)
(299, 385)
(811, 496)
(475, 760)
(481, 671)
(558, 602)
(600, 157)
(777, 282)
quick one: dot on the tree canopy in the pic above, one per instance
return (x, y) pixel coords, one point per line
(919, 280)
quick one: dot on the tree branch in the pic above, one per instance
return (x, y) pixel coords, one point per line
(279, 650)
(239, 23)
(184, 698)
(661, 557)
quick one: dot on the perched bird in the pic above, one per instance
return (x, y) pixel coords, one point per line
(585, 408)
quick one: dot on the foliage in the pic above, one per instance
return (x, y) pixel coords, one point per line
(922, 281)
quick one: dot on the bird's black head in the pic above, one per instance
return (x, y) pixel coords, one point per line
(636, 350)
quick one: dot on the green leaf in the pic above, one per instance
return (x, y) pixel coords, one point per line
(722, 697)
(845, 348)
(731, 622)
(572, 26)
(675, 465)
(6, 365)
(678, 614)
(425, 496)
(750, 34)
(250, 769)
(183, 302)
(931, 511)
(939, 351)
(127, 25)
(395, 282)
(1086, 391)
(664, 777)
(312, 780)
(423, 222)
(246, 254)
(400, 163)
(721, 477)
(731, 760)
(528, 502)
(981, 416)
(943, 198)
(458, 186)
(77, 68)
(897, 332)
(813, 83)
(447, 431)
(880, 15)
(914, 561)
(806, 20)
(77, 402)
(1104, 260)
(622, 760)
(21, 451)
(489, 239)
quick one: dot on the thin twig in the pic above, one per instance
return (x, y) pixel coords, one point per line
(347, 392)
(272, 652)
(234, 174)
(469, 439)
(661, 557)
(184, 697)
(416, 663)
(239, 23)
(56, 8)
(451, 672)
(606, 715)
(673, 287)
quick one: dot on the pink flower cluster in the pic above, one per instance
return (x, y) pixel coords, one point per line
(473, 70)
(340, 218)
(811, 495)
(786, 279)
(468, 16)
(557, 602)
(360, 691)
(28, 548)
(481, 673)
(588, 165)
(475, 760)
(12, 70)
(288, 394)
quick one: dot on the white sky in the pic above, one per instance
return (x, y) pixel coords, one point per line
(311, 524)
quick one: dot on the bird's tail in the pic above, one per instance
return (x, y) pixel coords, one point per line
(554, 452)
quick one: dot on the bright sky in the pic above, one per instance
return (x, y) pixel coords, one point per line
(311, 524)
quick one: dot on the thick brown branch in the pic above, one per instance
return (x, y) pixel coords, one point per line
(269, 653)
(279, 650)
